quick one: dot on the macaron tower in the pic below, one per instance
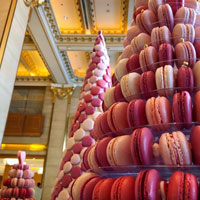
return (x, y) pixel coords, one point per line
(150, 116)
(19, 184)
(81, 136)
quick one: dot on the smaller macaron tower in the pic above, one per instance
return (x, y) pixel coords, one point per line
(19, 184)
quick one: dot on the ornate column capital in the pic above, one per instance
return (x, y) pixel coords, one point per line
(62, 93)
(33, 3)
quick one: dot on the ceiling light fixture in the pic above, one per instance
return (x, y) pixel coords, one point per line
(65, 17)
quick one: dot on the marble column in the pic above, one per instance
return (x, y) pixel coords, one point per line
(10, 50)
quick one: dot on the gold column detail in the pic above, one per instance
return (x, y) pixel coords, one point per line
(33, 3)
(62, 93)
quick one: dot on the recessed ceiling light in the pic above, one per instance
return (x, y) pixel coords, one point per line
(65, 17)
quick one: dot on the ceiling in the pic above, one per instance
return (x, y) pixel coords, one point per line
(31, 64)
(74, 25)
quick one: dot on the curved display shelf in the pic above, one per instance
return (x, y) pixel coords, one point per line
(165, 170)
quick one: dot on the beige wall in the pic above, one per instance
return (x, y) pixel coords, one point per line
(43, 139)
(55, 147)
(10, 60)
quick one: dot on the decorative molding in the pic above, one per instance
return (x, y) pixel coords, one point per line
(33, 81)
(69, 68)
(33, 3)
(50, 18)
(124, 15)
(62, 93)
(84, 42)
(79, 41)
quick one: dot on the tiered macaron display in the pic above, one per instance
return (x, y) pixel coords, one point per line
(148, 184)
(20, 184)
(151, 114)
(81, 135)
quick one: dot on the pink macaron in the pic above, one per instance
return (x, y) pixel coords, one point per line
(158, 112)
(165, 16)
(130, 86)
(79, 184)
(138, 11)
(154, 5)
(165, 80)
(120, 69)
(148, 59)
(185, 52)
(118, 151)
(185, 15)
(139, 3)
(175, 149)
(196, 71)
(132, 32)
(137, 43)
(183, 31)
(146, 21)
(160, 35)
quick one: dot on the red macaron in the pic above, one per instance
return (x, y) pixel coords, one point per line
(147, 185)
(141, 146)
(123, 188)
(117, 118)
(100, 152)
(182, 186)
(175, 4)
(195, 141)
(118, 94)
(102, 190)
(98, 133)
(104, 124)
(182, 109)
(185, 79)
(166, 54)
(87, 189)
(133, 64)
(148, 84)
(197, 106)
(136, 113)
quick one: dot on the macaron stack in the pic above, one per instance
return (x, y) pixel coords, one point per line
(161, 38)
(81, 135)
(19, 183)
(152, 104)
(148, 184)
